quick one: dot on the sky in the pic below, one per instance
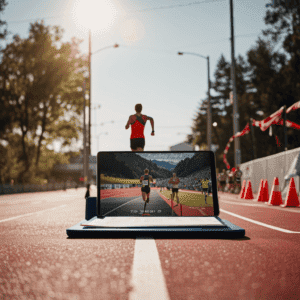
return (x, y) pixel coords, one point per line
(145, 68)
(173, 158)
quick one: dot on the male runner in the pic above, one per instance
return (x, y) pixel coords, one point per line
(222, 179)
(138, 122)
(205, 187)
(174, 181)
(238, 176)
(145, 181)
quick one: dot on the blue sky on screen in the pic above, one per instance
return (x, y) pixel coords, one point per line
(146, 68)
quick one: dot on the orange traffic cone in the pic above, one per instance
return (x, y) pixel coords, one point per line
(266, 191)
(242, 193)
(248, 193)
(275, 196)
(260, 197)
(291, 198)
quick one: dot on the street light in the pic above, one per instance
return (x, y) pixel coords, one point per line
(90, 81)
(208, 105)
(87, 152)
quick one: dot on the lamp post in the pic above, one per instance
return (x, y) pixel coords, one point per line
(237, 151)
(90, 83)
(87, 140)
(209, 104)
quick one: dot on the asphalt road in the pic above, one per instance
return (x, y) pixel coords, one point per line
(39, 261)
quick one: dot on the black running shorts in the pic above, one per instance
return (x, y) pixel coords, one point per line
(146, 189)
(136, 143)
(174, 190)
(205, 189)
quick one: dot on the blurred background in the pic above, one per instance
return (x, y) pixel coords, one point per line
(109, 55)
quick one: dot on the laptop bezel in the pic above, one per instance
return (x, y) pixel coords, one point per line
(213, 178)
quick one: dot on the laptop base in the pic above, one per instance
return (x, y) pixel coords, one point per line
(231, 231)
(78, 231)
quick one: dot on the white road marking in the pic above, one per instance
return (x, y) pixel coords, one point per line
(259, 223)
(120, 205)
(29, 214)
(147, 279)
(263, 206)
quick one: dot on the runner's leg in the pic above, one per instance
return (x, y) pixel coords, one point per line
(177, 197)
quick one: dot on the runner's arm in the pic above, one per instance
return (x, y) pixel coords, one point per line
(151, 121)
(141, 179)
(129, 122)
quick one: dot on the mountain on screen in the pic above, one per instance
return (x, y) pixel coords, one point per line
(165, 164)
(191, 165)
(129, 165)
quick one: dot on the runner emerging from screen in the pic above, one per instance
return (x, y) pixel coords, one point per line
(138, 122)
(174, 181)
(145, 181)
(205, 188)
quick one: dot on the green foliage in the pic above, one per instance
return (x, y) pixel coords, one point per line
(3, 33)
(266, 82)
(40, 87)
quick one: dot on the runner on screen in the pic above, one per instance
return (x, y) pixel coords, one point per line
(174, 181)
(145, 181)
(138, 122)
(205, 188)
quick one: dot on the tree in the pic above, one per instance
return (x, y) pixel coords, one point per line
(3, 33)
(41, 84)
(222, 110)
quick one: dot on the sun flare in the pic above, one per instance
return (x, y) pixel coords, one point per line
(97, 15)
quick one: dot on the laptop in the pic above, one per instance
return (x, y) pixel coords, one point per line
(153, 191)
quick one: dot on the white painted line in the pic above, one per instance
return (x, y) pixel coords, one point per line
(120, 205)
(259, 223)
(263, 206)
(29, 214)
(147, 279)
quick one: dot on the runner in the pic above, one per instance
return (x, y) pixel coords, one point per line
(174, 181)
(205, 188)
(138, 122)
(222, 180)
(238, 176)
(145, 181)
(230, 181)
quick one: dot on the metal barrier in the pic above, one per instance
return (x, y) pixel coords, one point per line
(276, 165)
(31, 188)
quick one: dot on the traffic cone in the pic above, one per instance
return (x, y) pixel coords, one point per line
(242, 193)
(291, 198)
(275, 196)
(266, 191)
(260, 197)
(248, 193)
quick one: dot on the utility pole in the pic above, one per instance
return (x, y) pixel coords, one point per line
(90, 97)
(209, 137)
(237, 151)
(85, 150)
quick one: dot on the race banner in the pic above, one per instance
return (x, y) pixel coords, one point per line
(293, 107)
(274, 119)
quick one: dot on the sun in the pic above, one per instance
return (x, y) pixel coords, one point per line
(97, 15)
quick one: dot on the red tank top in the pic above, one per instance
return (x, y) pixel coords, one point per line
(137, 128)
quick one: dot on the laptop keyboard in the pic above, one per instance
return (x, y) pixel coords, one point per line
(153, 222)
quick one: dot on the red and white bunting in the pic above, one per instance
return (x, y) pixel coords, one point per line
(275, 118)
(293, 107)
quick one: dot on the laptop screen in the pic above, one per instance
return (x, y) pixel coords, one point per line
(158, 184)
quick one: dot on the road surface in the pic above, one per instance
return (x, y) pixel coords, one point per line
(39, 261)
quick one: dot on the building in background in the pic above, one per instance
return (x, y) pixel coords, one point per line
(182, 147)
(74, 170)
